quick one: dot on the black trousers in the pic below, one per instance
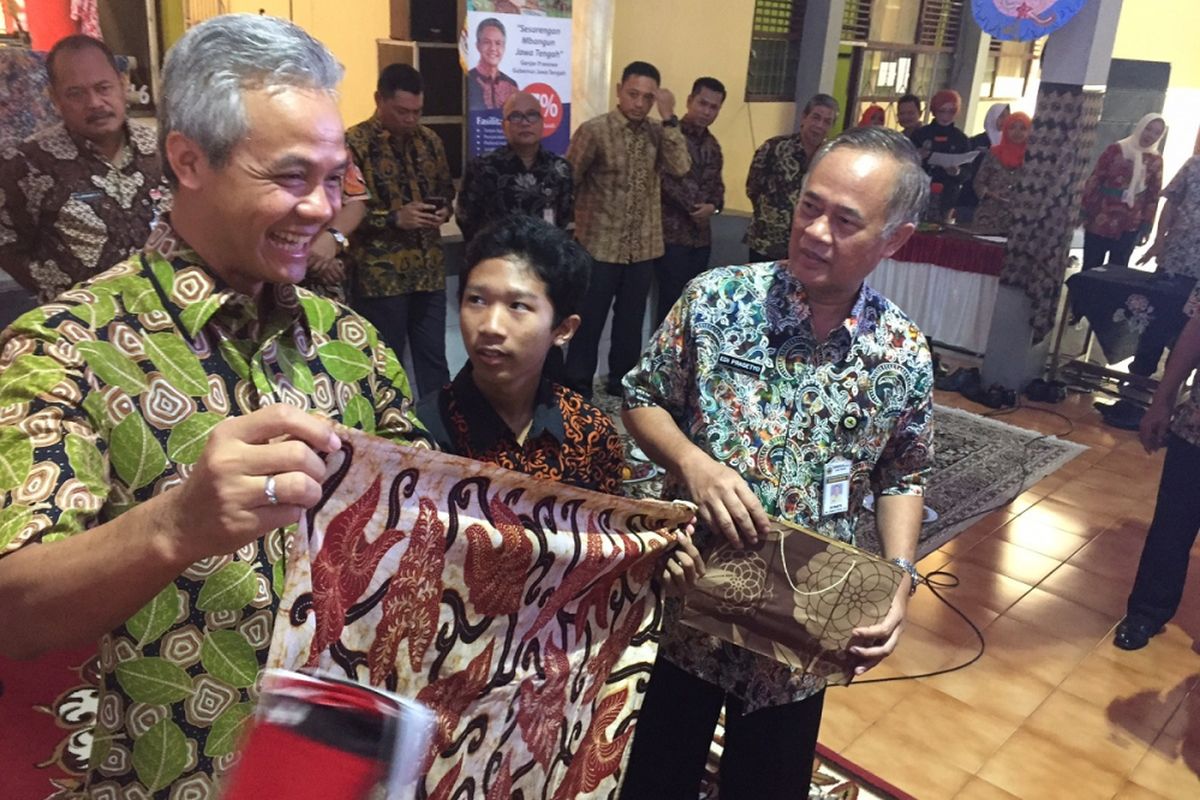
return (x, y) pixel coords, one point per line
(1162, 571)
(623, 288)
(678, 265)
(768, 754)
(1117, 251)
(417, 319)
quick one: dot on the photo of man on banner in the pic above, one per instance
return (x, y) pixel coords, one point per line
(506, 48)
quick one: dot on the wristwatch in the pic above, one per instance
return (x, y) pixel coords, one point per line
(911, 569)
(340, 238)
(673, 122)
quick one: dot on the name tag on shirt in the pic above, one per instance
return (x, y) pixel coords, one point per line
(740, 364)
(548, 215)
(835, 495)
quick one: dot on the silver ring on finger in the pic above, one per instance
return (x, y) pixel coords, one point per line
(269, 491)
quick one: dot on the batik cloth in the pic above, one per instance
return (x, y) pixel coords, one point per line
(520, 610)
(107, 398)
(67, 212)
(25, 104)
(737, 365)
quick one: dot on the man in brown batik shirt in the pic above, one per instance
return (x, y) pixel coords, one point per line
(79, 196)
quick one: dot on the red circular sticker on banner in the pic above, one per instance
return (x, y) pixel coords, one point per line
(552, 110)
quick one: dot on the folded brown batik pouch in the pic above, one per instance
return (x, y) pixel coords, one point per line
(794, 597)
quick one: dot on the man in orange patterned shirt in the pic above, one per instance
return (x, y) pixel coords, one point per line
(519, 296)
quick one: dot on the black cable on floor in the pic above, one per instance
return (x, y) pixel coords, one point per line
(948, 580)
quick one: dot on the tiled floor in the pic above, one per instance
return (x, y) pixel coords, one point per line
(1052, 710)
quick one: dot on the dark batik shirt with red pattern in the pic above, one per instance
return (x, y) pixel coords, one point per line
(569, 439)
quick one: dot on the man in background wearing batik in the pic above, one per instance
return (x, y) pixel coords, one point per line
(521, 177)
(616, 160)
(689, 202)
(79, 196)
(776, 173)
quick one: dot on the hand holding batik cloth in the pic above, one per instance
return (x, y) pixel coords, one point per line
(795, 597)
(520, 610)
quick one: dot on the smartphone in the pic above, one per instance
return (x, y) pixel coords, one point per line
(437, 201)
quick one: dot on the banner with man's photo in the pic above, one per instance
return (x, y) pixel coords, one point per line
(511, 46)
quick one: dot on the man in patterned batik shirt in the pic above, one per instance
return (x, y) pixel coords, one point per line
(766, 386)
(616, 159)
(689, 203)
(398, 266)
(79, 196)
(1176, 248)
(163, 423)
(776, 173)
(522, 177)
(1163, 567)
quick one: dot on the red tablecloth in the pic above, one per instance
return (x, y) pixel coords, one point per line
(953, 252)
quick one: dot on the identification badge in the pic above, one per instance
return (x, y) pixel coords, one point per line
(835, 495)
(740, 364)
(548, 215)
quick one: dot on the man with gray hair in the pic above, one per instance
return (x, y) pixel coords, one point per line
(776, 172)
(789, 389)
(190, 390)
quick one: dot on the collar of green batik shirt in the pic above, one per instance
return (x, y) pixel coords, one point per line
(195, 295)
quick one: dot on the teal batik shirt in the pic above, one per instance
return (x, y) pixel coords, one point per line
(107, 397)
(738, 366)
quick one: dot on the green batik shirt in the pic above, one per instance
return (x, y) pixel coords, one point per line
(389, 261)
(107, 397)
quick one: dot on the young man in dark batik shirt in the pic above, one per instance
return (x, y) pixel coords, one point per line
(519, 297)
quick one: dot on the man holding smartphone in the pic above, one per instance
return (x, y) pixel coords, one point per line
(399, 266)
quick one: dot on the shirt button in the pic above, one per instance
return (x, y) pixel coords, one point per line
(850, 423)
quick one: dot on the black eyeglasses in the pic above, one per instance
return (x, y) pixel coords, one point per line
(529, 116)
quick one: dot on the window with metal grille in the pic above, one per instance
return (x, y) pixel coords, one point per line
(939, 23)
(1009, 68)
(775, 50)
(856, 21)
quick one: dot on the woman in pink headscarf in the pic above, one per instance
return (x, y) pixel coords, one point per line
(1121, 195)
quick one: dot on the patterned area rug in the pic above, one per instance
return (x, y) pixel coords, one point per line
(979, 463)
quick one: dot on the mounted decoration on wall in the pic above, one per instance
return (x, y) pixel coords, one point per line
(1023, 20)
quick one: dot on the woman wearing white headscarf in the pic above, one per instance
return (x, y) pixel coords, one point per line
(1121, 195)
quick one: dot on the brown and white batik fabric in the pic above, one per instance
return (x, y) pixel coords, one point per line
(795, 597)
(520, 610)
(1046, 205)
